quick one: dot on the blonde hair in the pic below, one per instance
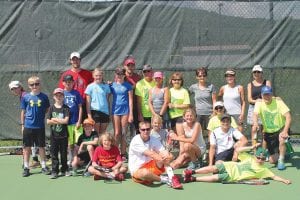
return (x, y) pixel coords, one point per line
(107, 136)
(98, 69)
(33, 79)
(191, 110)
(156, 117)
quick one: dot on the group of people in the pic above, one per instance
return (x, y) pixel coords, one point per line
(159, 117)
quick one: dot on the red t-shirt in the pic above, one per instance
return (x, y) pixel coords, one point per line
(133, 79)
(107, 158)
(81, 80)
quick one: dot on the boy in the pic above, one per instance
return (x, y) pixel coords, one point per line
(85, 146)
(34, 105)
(250, 167)
(73, 100)
(58, 118)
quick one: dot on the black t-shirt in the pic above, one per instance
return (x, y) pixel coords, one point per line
(59, 130)
(84, 138)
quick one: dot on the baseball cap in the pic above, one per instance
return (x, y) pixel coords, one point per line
(14, 84)
(120, 71)
(147, 67)
(218, 103)
(230, 72)
(266, 90)
(158, 75)
(128, 61)
(257, 68)
(261, 152)
(225, 116)
(89, 121)
(68, 77)
(75, 54)
(58, 90)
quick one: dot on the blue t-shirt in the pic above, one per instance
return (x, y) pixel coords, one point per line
(98, 94)
(73, 99)
(120, 103)
(35, 107)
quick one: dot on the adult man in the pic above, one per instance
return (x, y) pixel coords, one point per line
(148, 159)
(142, 93)
(276, 120)
(82, 78)
(222, 142)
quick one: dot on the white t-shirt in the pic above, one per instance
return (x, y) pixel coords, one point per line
(224, 141)
(136, 157)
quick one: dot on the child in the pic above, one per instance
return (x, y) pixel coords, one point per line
(107, 156)
(58, 118)
(157, 130)
(97, 101)
(250, 167)
(85, 146)
(73, 100)
(34, 107)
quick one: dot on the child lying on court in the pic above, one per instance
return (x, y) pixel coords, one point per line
(107, 161)
(249, 167)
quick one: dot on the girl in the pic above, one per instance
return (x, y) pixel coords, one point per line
(157, 131)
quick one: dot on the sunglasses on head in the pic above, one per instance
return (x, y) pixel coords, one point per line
(34, 84)
(145, 129)
(261, 158)
(219, 107)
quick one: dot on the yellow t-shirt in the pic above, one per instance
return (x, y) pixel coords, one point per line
(178, 96)
(272, 115)
(142, 90)
(215, 122)
(248, 168)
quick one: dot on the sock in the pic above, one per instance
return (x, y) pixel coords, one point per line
(26, 164)
(43, 163)
(281, 159)
(164, 179)
(170, 172)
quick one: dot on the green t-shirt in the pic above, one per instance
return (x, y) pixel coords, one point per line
(215, 122)
(272, 115)
(248, 168)
(142, 90)
(178, 96)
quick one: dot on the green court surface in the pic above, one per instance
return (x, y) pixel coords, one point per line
(38, 186)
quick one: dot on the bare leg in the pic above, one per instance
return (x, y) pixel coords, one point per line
(207, 170)
(212, 178)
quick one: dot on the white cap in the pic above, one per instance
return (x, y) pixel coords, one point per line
(257, 68)
(14, 84)
(218, 103)
(75, 54)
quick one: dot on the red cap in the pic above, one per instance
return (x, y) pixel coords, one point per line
(129, 61)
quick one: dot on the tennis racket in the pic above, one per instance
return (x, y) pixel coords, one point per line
(103, 169)
(249, 182)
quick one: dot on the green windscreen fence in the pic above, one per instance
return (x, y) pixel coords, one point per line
(37, 37)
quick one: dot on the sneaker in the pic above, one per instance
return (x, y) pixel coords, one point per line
(53, 175)
(87, 174)
(68, 173)
(187, 176)
(192, 165)
(46, 171)
(26, 172)
(74, 172)
(120, 177)
(176, 182)
(97, 177)
(281, 166)
(34, 164)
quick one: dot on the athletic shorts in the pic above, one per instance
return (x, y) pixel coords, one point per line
(222, 174)
(176, 120)
(84, 156)
(33, 137)
(100, 117)
(225, 155)
(73, 134)
(152, 167)
(272, 140)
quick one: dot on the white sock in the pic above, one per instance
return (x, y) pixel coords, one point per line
(281, 159)
(164, 179)
(26, 164)
(170, 172)
(43, 163)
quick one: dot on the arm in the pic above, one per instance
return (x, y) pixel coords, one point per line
(211, 154)
(88, 106)
(150, 102)
(214, 98)
(249, 94)
(182, 138)
(22, 120)
(280, 179)
(221, 93)
(79, 116)
(154, 155)
(243, 106)
(288, 119)
(166, 102)
(130, 95)
(139, 108)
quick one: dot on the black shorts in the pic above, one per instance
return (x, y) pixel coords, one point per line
(100, 117)
(176, 120)
(84, 156)
(272, 140)
(225, 155)
(34, 137)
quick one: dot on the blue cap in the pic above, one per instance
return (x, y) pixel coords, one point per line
(266, 90)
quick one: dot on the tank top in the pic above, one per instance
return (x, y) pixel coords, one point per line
(157, 99)
(256, 90)
(189, 133)
(232, 100)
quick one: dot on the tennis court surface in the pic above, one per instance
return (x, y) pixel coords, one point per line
(38, 186)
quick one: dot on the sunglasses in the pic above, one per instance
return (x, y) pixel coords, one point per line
(34, 84)
(256, 72)
(145, 129)
(176, 80)
(219, 107)
(147, 71)
(261, 158)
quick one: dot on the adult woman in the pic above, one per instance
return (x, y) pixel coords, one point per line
(179, 99)
(233, 98)
(192, 145)
(205, 96)
(254, 95)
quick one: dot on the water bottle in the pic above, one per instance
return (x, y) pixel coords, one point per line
(289, 147)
